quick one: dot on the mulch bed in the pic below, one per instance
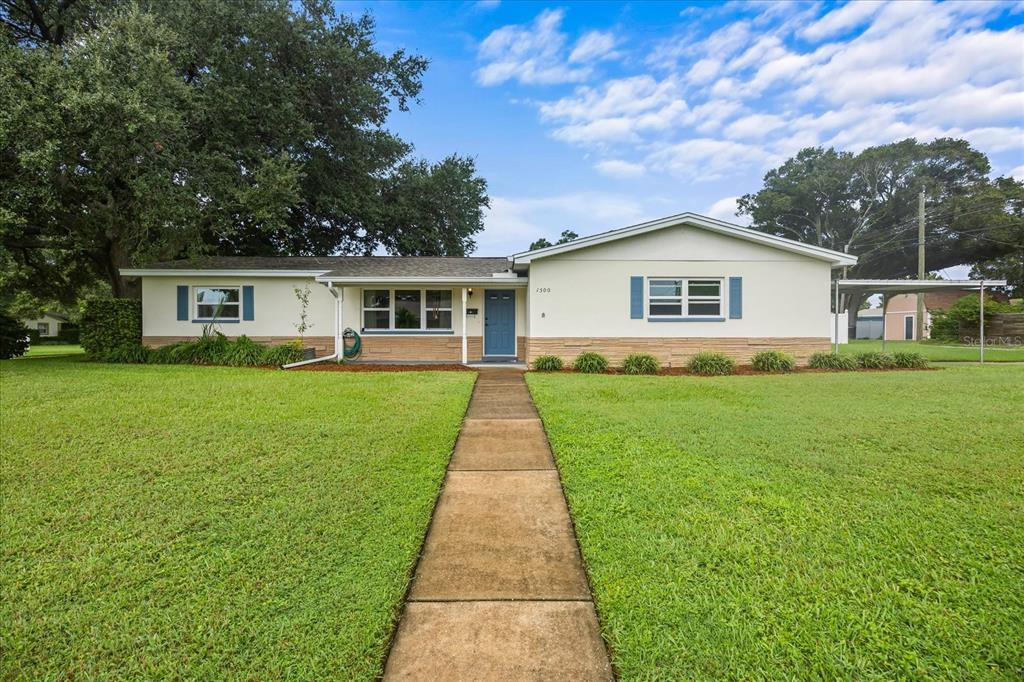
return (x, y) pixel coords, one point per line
(329, 366)
(748, 370)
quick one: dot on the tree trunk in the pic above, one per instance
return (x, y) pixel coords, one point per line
(122, 287)
(853, 302)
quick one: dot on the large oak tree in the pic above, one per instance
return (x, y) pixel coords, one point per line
(149, 130)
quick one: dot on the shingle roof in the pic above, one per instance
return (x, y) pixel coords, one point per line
(350, 266)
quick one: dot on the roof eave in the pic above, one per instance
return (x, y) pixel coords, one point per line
(181, 272)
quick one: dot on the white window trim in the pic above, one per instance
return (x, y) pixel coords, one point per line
(223, 318)
(685, 299)
(391, 310)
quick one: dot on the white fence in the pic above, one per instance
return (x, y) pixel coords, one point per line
(844, 330)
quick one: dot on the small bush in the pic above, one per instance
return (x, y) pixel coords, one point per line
(284, 354)
(13, 338)
(590, 363)
(875, 360)
(131, 354)
(773, 361)
(832, 361)
(110, 325)
(68, 335)
(909, 360)
(245, 352)
(547, 363)
(711, 363)
(641, 363)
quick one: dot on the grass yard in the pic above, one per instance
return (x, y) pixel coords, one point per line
(812, 526)
(48, 350)
(212, 523)
(936, 351)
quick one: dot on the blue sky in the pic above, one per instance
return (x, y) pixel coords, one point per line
(590, 116)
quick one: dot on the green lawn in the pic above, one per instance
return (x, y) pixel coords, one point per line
(47, 350)
(812, 526)
(936, 351)
(212, 523)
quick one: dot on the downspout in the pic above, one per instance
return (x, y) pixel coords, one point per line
(337, 334)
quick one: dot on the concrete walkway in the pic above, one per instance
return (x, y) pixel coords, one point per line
(500, 592)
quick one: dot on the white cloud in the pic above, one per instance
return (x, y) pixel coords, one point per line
(705, 159)
(725, 209)
(851, 15)
(1018, 172)
(595, 45)
(618, 168)
(529, 53)
(486, 5)
(755, 126)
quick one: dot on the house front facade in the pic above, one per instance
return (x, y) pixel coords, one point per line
(670, 287)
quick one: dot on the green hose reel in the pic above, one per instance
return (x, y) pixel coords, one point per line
(357, 343)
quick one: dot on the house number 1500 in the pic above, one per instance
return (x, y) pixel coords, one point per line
(543, 290)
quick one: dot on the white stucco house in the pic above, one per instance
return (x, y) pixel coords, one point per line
(48, 325)
(670, 287)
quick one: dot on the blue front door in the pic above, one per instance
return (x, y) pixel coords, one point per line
(499, 322)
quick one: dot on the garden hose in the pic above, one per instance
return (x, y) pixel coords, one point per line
(357, 343)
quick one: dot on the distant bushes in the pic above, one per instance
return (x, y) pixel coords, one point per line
(711, 363)
(210, 349)
(907, 360)
(590, 363)
(641, 363)
(547, 363)
(773, 361)
(832, 361)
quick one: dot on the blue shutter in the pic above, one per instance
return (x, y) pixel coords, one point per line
(182, 303)
(636, 298)
(735, 298)
(248, 307)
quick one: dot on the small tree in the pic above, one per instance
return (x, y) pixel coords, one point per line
(303, 325)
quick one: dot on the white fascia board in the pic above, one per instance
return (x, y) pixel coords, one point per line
(143, 272)
(454, 281)
(720, 226)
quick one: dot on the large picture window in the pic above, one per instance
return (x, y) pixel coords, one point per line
(407, 309)
(681, 297)
(217, 303)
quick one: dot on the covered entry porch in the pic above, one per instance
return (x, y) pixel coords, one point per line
(432, 320)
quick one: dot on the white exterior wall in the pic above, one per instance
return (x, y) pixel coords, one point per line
(45, 319)
(586, 293)
(275, 306)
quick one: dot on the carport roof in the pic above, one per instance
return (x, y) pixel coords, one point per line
(913, 286)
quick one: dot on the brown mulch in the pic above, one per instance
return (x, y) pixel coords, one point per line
(329, 366)
(748, 370)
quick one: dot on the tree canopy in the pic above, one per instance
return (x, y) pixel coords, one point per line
(566, 236)
(135, 131)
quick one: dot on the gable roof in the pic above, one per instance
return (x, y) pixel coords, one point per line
(836, 258)
(330, 266)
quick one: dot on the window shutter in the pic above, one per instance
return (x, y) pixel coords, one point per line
(636, 298)
(248, 305)
(182, 303)
(735, 298)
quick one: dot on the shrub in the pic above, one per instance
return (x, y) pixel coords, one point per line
(832, 361)
(13, 338)
(284, 354)
(245, 352)
(773, 361)
(590, 363)
(68, 335)
(711, 363)
(137, 354)
(909, 360)
(875, 360)
(641, 363)
(109, 325)
(547, 363)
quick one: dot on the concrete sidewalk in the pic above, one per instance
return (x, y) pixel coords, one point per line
(500, 592)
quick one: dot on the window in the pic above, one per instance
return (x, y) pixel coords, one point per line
(376, 309)
(407, 309)
(43, 328)
(217, 303)
(680, 297)
(439, 309)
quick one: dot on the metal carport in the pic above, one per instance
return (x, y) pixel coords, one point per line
(888, 287)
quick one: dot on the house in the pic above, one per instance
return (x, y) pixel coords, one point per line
(901, 312)
(48, 324)
(669, 287)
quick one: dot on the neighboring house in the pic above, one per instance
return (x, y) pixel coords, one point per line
(669, 287)
(48, 325)
(901, 313)
(869, 323)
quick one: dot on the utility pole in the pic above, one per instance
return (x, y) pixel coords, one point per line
(919, 331)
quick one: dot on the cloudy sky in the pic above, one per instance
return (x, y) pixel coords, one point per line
(590, 116)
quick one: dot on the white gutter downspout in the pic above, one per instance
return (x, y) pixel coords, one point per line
(465, 351)
(337, 331)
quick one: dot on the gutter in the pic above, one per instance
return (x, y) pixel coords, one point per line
(338, 340)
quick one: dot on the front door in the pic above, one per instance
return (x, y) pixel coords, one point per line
(908, 328)
(500, 322)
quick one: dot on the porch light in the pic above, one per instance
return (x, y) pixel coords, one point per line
(469, 291)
